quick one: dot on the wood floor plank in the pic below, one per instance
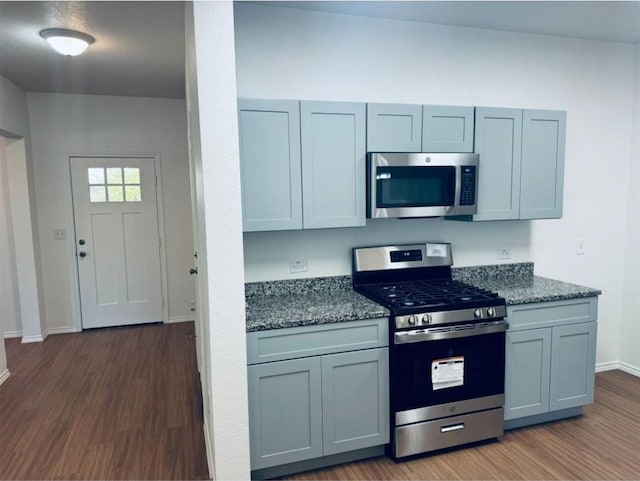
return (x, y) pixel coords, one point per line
(105, 404)
(602, 444)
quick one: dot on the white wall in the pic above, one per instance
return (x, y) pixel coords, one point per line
(64, 124)
(630, 326)
(9, 294)
(214, 141)
(288, 53)
(14, 125)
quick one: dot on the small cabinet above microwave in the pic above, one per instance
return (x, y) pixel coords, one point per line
(419, 128)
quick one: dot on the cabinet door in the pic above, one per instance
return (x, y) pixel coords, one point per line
(528, 359)
(498, 140)
(285, 412)
(355, 400)
(542, 176)
(269, 132)
(573, 363)
(333, 164)
(394, 128)
(447, 129)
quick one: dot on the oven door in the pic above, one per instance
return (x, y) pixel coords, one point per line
(446, 375)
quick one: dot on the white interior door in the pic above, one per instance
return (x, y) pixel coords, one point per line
(118, 244)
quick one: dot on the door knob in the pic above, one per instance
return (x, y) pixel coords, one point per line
(193, 271)
(82, 254)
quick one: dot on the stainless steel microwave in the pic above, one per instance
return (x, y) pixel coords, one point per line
(421, 184)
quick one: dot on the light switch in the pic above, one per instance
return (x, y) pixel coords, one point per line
(59, 234)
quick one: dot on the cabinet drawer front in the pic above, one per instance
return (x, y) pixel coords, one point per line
(550, 314)
(297, 342)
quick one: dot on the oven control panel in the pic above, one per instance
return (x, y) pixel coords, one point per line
(447, 317)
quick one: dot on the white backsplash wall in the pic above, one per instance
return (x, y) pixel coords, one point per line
(295, 54)
(328, 251)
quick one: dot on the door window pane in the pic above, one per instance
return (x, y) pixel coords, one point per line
(131, 175)
(132, 193)
(97, 193)
(96, 175)
(114, 175)
(115, 193)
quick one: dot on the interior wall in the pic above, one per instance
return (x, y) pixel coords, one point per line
(630, 328)
(217, 173)
(64, 124)
(14, 124)
(9, 295)
(288, 53)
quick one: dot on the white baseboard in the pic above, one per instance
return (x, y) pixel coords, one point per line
(12, 334)
(173, 320)
(63, 330)
(623, 366)
(4, 376)
(36, 338)
(208, 447)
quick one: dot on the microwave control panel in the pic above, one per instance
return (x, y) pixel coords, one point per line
(468, 185)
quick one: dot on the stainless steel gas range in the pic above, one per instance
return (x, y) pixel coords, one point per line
(447, 347)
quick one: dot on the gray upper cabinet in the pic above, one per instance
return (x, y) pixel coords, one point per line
(447, 128)
(333, 163)
(498, 140)
(543, 145)
(394, 128)
(269, 132)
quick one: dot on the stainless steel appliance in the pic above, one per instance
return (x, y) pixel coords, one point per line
(421, 185)
(446, 347)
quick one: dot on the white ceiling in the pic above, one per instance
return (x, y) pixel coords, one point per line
(139, 48)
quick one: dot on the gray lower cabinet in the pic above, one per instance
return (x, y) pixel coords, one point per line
(317, 391)
(285, 410)
(550, 360)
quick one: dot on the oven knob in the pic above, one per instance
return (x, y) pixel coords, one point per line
(412, 320)
(426, 319)
(491, 312)
(477, 313)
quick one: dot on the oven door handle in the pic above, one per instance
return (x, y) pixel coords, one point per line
(421, 335)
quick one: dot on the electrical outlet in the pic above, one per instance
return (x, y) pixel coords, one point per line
(580, 247)
(59, 234)
(298, 265)
(504, 253)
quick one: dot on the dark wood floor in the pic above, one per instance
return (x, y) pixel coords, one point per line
(119, 403)
(604, 443)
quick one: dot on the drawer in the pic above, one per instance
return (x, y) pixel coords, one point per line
(297, 342)
(550, 314)
(447, 432)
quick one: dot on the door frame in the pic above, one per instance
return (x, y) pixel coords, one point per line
(73, 259)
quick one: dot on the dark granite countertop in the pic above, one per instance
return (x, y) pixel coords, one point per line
(324, 300)
(305, 302)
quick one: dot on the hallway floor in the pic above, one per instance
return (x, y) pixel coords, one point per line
(121, 403)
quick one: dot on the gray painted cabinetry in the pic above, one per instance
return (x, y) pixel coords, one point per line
(550, 360)
(521, 174)
(419, 128)
(317, 392)
(303, 164)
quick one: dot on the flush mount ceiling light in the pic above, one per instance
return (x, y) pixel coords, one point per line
(67, 42)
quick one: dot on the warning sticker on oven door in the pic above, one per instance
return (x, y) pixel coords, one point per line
(447, 372)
